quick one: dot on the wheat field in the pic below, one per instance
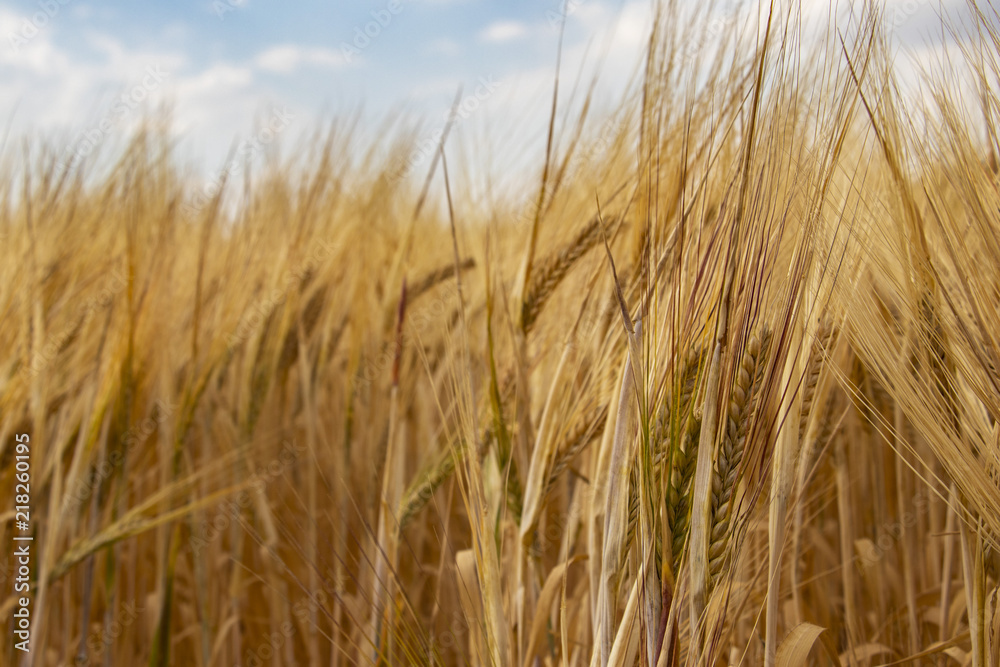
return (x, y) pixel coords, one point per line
(721, 388)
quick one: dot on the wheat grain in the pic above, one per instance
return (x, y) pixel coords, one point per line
(728, 466)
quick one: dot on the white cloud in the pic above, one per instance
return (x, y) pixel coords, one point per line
(217, 78)
(51, 86)
(503, 31)
(67, 95)
(288, 58)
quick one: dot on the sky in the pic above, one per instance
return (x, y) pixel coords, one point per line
(81, 74)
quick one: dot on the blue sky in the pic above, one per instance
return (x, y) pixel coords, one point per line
(227, 67)
(224, 65)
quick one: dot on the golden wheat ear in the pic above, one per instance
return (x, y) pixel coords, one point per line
(729, 465)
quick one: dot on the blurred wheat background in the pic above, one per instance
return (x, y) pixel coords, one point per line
(725, 391)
